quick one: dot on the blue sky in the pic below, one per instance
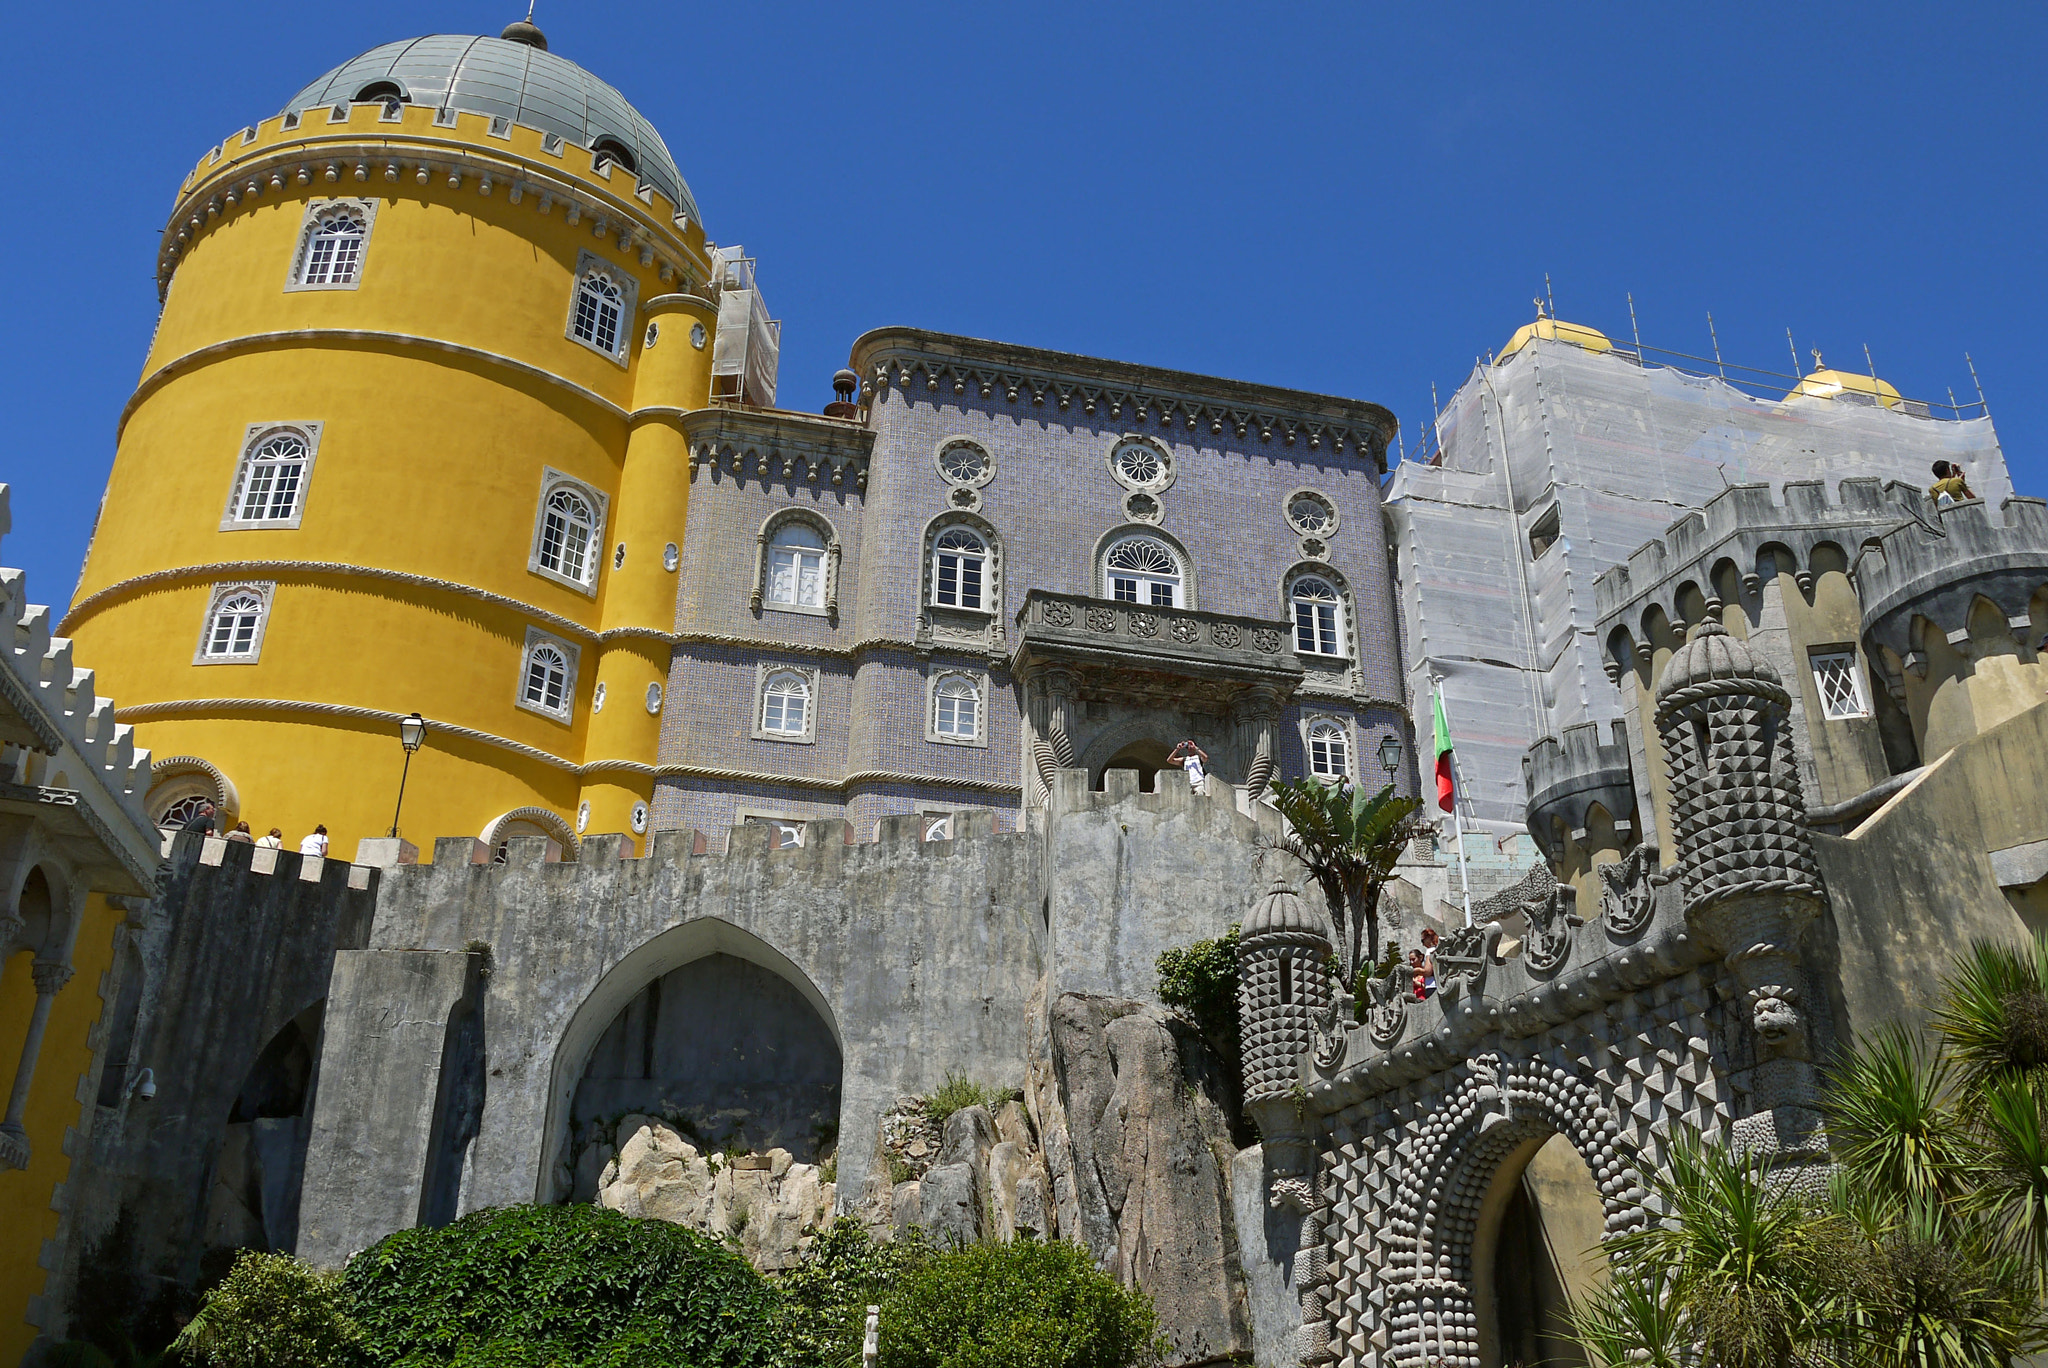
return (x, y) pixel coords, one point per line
(1350, 199)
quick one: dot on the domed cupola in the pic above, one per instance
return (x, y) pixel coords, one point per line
(513, 77)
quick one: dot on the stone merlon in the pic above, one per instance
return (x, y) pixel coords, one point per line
(1568, 775)
(1937, 569)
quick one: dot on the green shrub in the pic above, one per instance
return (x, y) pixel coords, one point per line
(1022, 1305)
(825, 1298)
(1201, 981)
(559, 1286)
(954, 1094)
(272, 1309)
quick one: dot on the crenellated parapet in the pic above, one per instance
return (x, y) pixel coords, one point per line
(1569, 775)
(1730, 546)
(1931, 573)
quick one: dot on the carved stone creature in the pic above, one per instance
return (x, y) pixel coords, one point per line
(1628, 891)
(1551, 919)
(1777, 1021)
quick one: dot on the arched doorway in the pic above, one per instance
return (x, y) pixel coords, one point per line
(709, 1029)
(254, 1200)
(1536, 1246)
(1146, 756)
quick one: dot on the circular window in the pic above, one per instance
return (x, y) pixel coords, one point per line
(670, 557)
(1310, 514)
(698, 336)
(653, 333)
(964, 463)
(639, 819)
(1141, 508)
(597, 697)
(1139, 464)
(582, 817)
(654, 698)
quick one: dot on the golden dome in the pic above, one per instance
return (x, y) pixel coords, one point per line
(1826, 384)
(1550, 330)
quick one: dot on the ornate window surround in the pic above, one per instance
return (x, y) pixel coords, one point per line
(1317, 495)
(1160, 483)
(765, 538)
(587, 263)
(571, 654)
(309, 224)
(253, 437)
(1347, 608)
(265, 592)
(1347, 725)
(988, 471)
(979, 680)
(763, 671)
(992, 567)
(550, 481)
(178, 777)
(786, 828)
(558, 831)
(1098, 571)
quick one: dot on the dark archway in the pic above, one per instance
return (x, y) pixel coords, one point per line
(728, 1051)
(254, 1200)
(1536, 1247)
(1146, 756)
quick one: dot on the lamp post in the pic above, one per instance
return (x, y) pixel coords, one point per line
(412, 733)
(1390, 753)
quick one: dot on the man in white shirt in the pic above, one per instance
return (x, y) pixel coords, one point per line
(316, 844)
(1192, 758)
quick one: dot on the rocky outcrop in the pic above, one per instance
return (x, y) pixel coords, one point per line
(981, 1175)
(1140, 1157)
(772, 1205)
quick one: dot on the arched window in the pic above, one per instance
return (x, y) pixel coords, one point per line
(234, 624)
(1143, 570)
(600, 304)
(184, 810)
(612, 150)
(270, 483)
(1318, 616)
(956, 709)
(786, 703)
(959, 559)
(546, 688)
(331, 251)
(796, 567)
(1329, 749)
(567, 526)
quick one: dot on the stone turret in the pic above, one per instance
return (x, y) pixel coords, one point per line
(1751, 884)
(1283, 965)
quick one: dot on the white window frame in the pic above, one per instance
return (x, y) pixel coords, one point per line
(936, 683)
(589, 263)
(1142, 581)
(764, 673)
(254, 438)
(265, 594)
(1338, 636)
(309, 227)
(828, 579)
(1317, 723)
(1322, 501)
(571, 657)
(1818, 658)
(946, 444)
(551, 482)
(1163, 454)
(788, 824)
(983, 559)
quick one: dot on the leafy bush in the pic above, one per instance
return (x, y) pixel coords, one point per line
(955, 1093)
(559, 1286)
(272, 1309)
(1201, 980)
(1022, 1305)
(826, 1296)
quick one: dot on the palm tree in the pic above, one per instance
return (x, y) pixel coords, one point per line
(1348, 841)
(1994, 1014)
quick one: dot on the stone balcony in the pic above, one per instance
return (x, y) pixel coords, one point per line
(1135, 640)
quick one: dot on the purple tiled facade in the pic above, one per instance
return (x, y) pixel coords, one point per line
(1052, 505)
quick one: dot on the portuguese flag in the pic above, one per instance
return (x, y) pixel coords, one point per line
(1446, 797)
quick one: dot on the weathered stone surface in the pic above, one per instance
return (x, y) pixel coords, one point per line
(906, 1206)
(1267, 1242)
(951, 1198)
(1148, 1191)
(772, 1205)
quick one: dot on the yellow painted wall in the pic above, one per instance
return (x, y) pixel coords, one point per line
(430, 462)
(26, 1218)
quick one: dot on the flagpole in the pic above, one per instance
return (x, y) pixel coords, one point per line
(1457, 793)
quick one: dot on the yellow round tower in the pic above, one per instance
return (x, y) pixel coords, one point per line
(408, 440)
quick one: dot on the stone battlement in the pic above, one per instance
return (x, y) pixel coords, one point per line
(1734, 528)
(1937, 568)
(56, 699)
(1567, 775)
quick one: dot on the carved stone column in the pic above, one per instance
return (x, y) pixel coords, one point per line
(1256, 714)
(14, 1148)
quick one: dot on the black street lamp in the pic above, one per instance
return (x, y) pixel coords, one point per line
(412, 733)
(1390, 752)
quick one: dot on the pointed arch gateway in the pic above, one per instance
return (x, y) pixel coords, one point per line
(706, 1024)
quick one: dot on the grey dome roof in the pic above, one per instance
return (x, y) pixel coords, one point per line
(1713, 657)
(1282, 912)
(526, 84)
